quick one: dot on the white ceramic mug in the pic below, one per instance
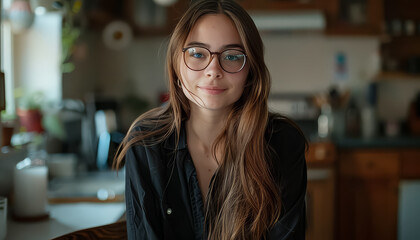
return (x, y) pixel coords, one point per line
(3, 217)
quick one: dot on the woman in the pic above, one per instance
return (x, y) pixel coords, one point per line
(213, 163)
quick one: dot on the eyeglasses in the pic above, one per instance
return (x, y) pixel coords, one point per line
(198, 58)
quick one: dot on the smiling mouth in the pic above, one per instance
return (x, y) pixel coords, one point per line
(212, 90)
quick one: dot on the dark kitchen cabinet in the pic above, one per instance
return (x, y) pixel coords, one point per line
(145, 17)
(400, 49)
(344, 17)
(320, 194)
(368, 194)
(252, 5)
(320, 206)
(354, 17)
(410, 164)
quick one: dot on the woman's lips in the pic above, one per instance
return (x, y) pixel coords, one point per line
(212, 90)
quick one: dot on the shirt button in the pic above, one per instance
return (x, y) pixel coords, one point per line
(169, 211)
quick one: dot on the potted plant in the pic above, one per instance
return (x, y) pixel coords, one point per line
(29, 111)
(7, 124)
(70, 33)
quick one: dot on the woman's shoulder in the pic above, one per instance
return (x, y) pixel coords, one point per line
(285, 138)
(145, 136)
(150, 125)
(282, 128)
(148, 121)
(287, 144)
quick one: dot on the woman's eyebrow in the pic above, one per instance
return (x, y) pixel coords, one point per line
(235, 45)
(200, 44)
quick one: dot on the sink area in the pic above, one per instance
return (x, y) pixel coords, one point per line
(103, 185)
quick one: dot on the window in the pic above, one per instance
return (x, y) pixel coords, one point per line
(7, 60)
(31, 58)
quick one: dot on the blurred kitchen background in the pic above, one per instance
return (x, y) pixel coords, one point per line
(76, 73)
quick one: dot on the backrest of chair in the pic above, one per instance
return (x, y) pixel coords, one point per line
(116, 230)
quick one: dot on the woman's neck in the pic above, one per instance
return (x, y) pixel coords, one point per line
(202, 128)
(205, 125)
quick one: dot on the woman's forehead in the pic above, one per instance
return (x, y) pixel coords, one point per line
(214, 31)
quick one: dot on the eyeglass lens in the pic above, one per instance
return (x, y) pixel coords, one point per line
(198, 58)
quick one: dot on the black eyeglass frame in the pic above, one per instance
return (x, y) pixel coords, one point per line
(212, 56)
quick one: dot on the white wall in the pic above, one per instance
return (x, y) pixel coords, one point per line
(137, 69)
(37, 54)
(306, 63)
(298, 63)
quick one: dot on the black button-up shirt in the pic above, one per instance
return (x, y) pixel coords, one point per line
(164, 200)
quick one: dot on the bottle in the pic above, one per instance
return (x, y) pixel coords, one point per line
(352, 119)
(31, 185)
(368, 115)
(369, 126)
(325, 122)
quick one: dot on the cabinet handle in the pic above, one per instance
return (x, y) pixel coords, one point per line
(320, 153)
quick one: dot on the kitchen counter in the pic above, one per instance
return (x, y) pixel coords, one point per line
(309, 128)
(402, 141)
(378, 142)
(86, 200)
(65, 218)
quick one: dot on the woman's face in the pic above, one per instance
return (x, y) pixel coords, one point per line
(213, 88)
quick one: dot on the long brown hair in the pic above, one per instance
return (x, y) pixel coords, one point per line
(243, 201)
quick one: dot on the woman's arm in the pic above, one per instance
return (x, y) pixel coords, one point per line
(143, 215)
(290, 145)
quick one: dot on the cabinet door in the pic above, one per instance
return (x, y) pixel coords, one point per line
(320, 154)
(320, 207)
(367, 209)
(410, 164)
(350, 17)
(368, 194)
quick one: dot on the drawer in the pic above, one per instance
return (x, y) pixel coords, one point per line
(410, 164)
(321, 152)
(369, 164)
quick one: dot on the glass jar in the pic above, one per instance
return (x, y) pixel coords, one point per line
(30, 187)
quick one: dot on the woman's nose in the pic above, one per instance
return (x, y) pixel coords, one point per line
(214, 69)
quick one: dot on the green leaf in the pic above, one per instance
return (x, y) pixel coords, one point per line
(67, 67)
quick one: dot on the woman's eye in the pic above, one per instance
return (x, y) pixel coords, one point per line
(232, 58)
(197, 55)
